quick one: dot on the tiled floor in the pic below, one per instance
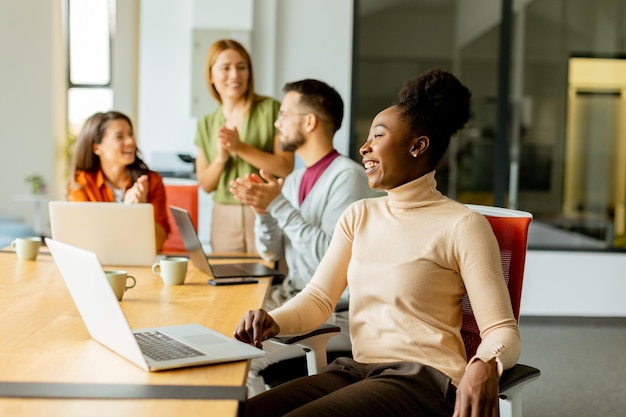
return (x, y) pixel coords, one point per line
(583, 366)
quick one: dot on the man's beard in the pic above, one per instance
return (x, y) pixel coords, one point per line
(292, 145)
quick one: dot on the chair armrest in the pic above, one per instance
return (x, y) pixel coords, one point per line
(517, 375)
(323, 329)
(313, 344)
(341, 306)
(512, 382)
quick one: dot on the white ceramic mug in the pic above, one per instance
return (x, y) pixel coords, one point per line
(173, 270)
(119, 281)
(27, 248)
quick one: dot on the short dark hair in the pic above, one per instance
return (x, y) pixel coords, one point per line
(436, 105)
(321, 98)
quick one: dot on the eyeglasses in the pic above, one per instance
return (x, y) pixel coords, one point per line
(282, 115)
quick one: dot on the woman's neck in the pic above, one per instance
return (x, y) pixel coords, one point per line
(230, 106)
(234, 112)
(116, 175)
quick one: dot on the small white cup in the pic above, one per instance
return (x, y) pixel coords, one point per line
(119, 282)
(27, 248)
(173, 270)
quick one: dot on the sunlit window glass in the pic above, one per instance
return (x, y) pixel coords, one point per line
(83, 102)
(89, 42)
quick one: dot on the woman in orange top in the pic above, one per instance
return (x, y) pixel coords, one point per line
(106, 167)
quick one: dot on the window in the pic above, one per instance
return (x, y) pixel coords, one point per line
(89, 28)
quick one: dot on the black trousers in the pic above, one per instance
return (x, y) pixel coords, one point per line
(348, 388)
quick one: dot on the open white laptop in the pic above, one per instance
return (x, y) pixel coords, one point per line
(106, 323)
(200, 260)
(120, 234)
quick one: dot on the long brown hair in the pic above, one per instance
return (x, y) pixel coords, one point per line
(92, 132)
(214, 51)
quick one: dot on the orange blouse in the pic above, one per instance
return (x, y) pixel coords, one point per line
(93, 187)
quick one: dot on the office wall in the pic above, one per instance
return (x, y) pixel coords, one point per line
(151, 76)
(578, 284)
(314, 40)
(28, 101)
(125, 75)
(287, 44)
(33, 99)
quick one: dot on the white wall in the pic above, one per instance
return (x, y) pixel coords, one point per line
(28, 83)
(164, 121)
(585, 284)
(288, 43)
(314, 40)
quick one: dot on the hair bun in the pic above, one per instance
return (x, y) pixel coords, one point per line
(439, 97)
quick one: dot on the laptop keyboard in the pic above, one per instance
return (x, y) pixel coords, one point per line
(161, 347)
(228, 270)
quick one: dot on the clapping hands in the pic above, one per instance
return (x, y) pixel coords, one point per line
(138, 193)
(255, 192)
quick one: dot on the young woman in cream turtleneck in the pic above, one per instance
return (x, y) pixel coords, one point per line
(407, 258)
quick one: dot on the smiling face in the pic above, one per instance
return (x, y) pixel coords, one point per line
(230, 74)
(392, 156)
(118, 146)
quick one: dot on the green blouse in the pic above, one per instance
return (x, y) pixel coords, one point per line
(257, 130)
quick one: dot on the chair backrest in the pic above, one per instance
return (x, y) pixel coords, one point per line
(184, 196)
(511, 230)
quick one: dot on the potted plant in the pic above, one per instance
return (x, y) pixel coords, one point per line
(37, 183)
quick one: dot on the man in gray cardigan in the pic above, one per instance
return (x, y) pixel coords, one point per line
(295, 217)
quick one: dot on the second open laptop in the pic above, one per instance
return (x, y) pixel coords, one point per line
(120, 234)
(200, 260)
(152, 349)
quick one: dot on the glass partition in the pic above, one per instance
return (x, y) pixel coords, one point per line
(567, 136)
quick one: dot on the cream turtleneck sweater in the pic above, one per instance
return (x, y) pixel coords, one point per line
(408, 258)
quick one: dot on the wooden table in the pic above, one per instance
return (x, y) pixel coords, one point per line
(43, 339)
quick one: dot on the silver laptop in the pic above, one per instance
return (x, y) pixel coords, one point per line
(200, 260)
(120, 234)
(152, 349)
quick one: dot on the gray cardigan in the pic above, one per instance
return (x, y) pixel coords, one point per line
(302, 234)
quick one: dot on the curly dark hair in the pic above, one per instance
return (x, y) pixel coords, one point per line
(436, 105)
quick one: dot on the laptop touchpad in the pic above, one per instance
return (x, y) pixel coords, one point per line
(205, 339)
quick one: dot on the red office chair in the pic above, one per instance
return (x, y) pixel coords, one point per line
(511, 230)
(184, 196)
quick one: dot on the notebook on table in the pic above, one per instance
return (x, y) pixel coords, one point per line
(200, 260)
(152, 349)
(120, 234)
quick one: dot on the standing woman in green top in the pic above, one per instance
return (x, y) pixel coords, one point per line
(237, 139)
